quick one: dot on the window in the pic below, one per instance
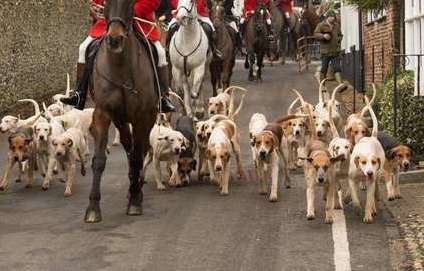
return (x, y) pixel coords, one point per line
(414, 41)
(376, 15)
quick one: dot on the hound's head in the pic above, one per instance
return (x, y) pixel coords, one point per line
(322, 126)
(298, 127)
(402, 154)
(340, 146)
(185, 166)
(264, 144)
(216, 106)
(20, 146)
(201, 131)
(357, 131)
(319, 164)
(55, 110)
(175, 141)
(219, 155)
(62, 145)
(368, 164)
(8, 123)
(42, 131)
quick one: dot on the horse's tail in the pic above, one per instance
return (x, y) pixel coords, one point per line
(180, 101)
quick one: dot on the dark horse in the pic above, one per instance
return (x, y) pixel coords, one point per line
(222, 69)
(256, 42)
(124, 90)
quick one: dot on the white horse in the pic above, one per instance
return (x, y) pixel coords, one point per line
(188, 52)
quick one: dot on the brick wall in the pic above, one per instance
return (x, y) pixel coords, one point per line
(380, 39)
(39, 44)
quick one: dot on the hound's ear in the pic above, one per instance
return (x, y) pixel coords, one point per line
(327, 123)
(193, 164)
(275, 142)
(357, 161)
(208, 153)
(28, 140)
(163, 138)
(337, 158)
(391, 154)
(50, 130)
(348, 134)
(379, 163)
(10, 138)
(309, 159)
(367, 132)
(69, 142)
(253, 141)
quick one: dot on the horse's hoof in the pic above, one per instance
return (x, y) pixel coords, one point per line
(133, 210)
(93, 215)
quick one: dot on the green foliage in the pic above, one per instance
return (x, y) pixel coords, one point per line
(409, 111)
(370, 4)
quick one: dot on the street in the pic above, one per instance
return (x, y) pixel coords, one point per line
(193, 227)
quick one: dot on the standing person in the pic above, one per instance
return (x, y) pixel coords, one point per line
(143, 9)
(330, 37)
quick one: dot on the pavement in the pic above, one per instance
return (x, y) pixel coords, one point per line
(193, 228)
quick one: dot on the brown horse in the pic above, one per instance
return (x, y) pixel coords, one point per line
(125, 92)
(256, 43)
(222, 69)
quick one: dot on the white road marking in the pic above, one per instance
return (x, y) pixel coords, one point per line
(341, 243)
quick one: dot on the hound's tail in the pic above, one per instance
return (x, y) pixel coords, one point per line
(374, 119)
(308, 111)
(180, 101)
(36, 105)
(68, 85)
(231, 113)
(290, 109)
(321, 90)
(330, 118)
(370, 103)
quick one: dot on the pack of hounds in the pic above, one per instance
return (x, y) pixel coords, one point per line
(309, 137)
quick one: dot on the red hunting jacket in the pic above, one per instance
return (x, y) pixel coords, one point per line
(202, 8)
(286, 6)
(143, 9)
(250, 6)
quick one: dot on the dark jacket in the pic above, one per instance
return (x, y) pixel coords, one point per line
(329, 47)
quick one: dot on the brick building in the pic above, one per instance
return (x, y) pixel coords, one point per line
(381, 37)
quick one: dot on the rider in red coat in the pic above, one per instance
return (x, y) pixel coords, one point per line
(249, 9)
(143, 9)
(286, 7)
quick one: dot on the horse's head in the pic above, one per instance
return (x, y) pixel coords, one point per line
(186, 12)
(217, 12)
(119, 15)
(260, 19)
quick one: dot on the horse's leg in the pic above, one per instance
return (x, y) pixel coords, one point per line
(198, 75)
(212, 69)
(99, 130)
(260, 60)
(135, 160)
(251, 67)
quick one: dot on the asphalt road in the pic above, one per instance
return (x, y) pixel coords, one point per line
(189, 228)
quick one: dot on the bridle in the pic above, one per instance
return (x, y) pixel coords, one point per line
(118, 20)
(189, 10)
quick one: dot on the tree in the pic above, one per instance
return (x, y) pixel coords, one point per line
(370, 4)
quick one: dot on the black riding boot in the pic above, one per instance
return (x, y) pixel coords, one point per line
(212, 40)
(166, 104)
(78, 97)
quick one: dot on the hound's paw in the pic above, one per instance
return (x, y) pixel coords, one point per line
(288, 186)
(310, 216)
(329, 220)
(3, 188)
(357, 210)
(224, 193)
(368, 219)
(116, 143)
(273, 198)
(398, 196)
(83, 172)
(391, 197)
(363, 186)
(18, 180)
(28, 185)
(45, 186)
(161, 187)
(337, 205)
(67, 193)
(55, 171)
(347, 199)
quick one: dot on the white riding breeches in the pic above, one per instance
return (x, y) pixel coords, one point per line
(233, 25)
(161, 54)
(201, 18)
(83, 48)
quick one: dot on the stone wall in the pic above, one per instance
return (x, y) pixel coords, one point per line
(39, 45)
(381, 38)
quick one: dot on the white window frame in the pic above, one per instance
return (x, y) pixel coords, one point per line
(376, 15)
(414, 40)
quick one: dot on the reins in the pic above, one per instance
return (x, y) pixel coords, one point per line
(186, 72)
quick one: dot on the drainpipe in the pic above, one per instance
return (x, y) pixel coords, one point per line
(361, 50)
